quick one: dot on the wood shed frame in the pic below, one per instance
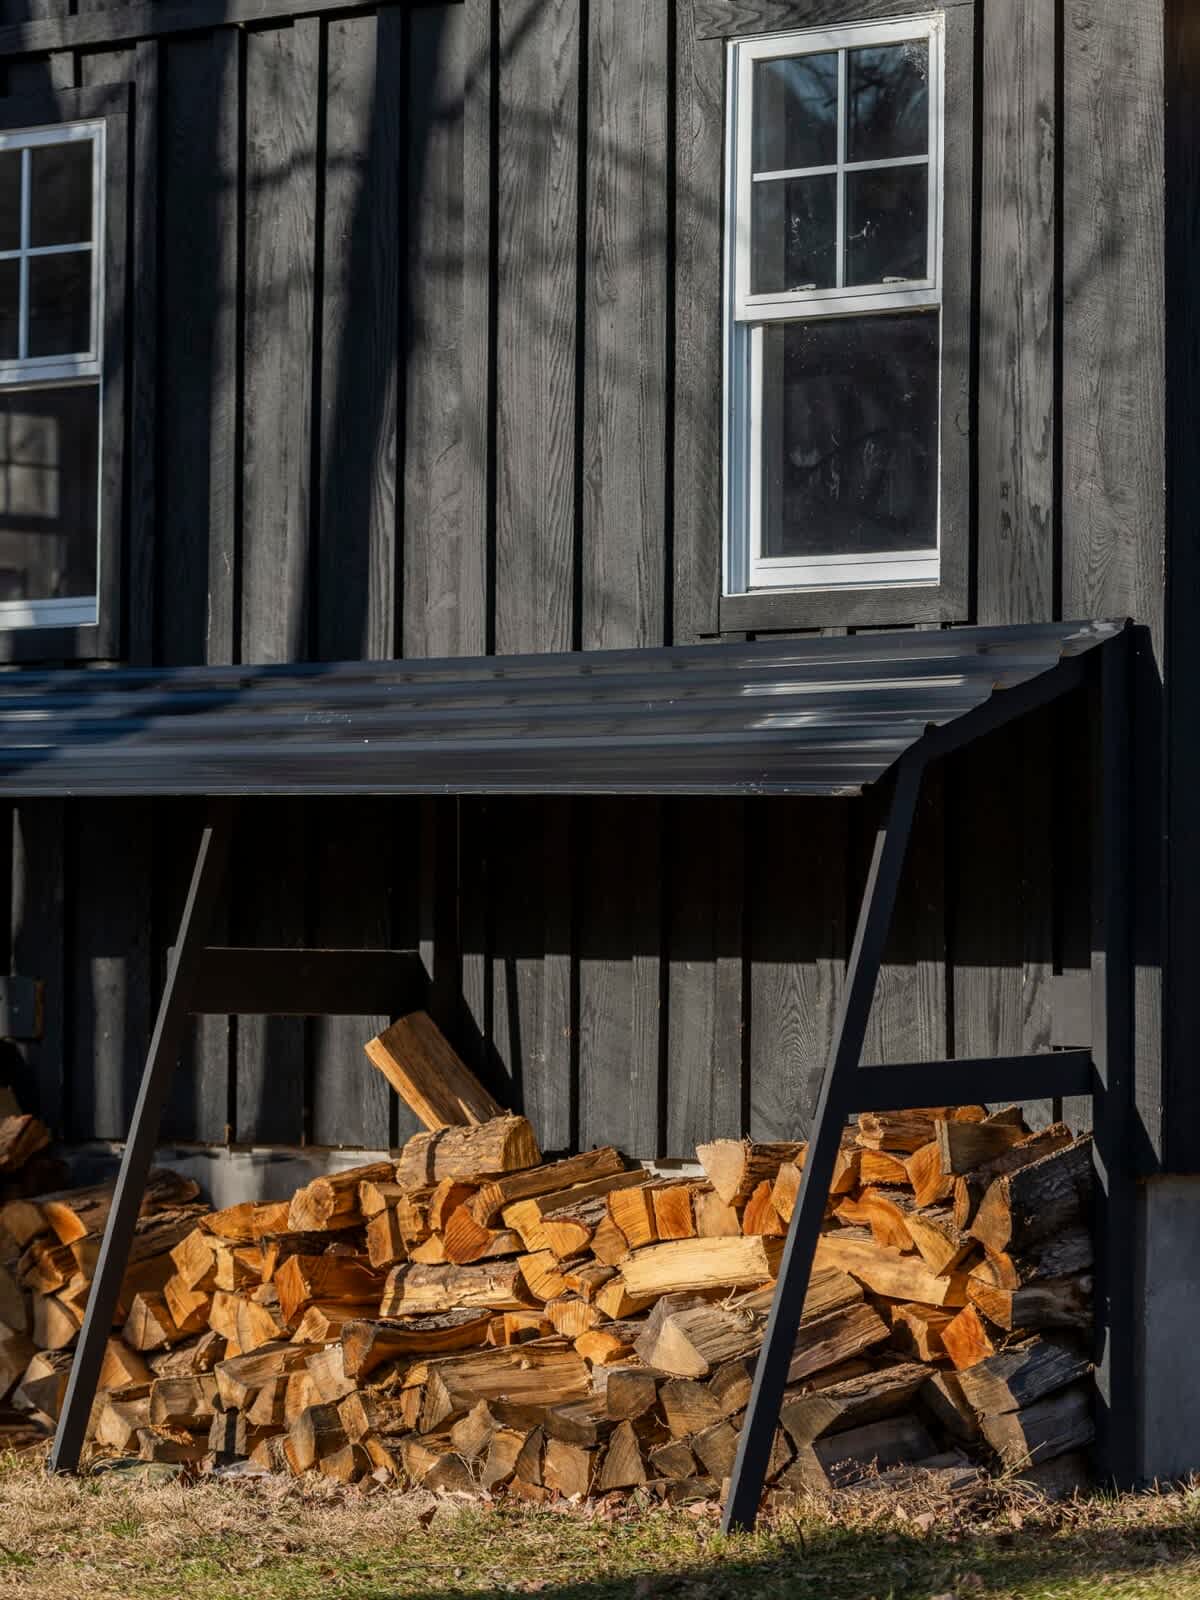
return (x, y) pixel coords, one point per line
(829, 717)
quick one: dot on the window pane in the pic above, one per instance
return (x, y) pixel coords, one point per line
(60, 304)
(850, 435)
(10, 301)
(795, 113)
(888, 90)
(794, 234)
(60, 207)
(887, 223)
(49, 478)
(10, 199)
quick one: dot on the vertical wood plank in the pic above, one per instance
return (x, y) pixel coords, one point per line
(908, 1017)
(536, 325)
(197, 561)
(797, 941)
(1017, 264)
(353, 851)
(706, 842)
(109, 990)
(38, 932)
(359, 338)
(530, 949)
(700, 122)
(480, 181)
(282, 71)
(1114, 395)
(143, 515)
(282, 76)
(619, 965)
(445, 545)
(625, 339)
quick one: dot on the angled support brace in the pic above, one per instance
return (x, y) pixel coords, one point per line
(207, 877)
(836, 1098)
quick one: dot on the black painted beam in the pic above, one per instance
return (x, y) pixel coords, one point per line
(951, 1083)
(233, 981)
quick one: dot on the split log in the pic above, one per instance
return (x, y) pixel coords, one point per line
(690, 1343)
(673, 1460)
(323, 1321)
(428, 1074)
(1053, 1303)
(970, 1188)
(1021, 1375)
(553, 1177)
(415, 1290)
(1051, 1427)
(853, 1403)
(714, 1219)
(883, 1166)
(610, 1343)
(843, 1458)
(505, 1144)
(349, 1280)
(887, 1272)
(616, 1301)
(55, 1325)
(629, 1393)
(317, 1432)
(16, 1352)
(610, 1245)
(465, 1241)
(542, 1275)
(760, 1216)
(943, 1397)
(368, 1345)
(239, 1378)
(376, 1197)
(175, 1447)
(902, 1130)
(885, 1214)
(504, 1448)
(700, 1264)
(150, 1325)
(674, 1214)
(918, 1329)
(967, 1340)
(962, 1146)
(839, 1336)
(183, 1402)
(923, 1169)
(470, 1435)
(943, 1245)
(1037, 1201)
(716, 1447)
(154, 1235)
(195, 1260)
(1063, 1254)
(20, 1138)
(736, 1167)
(567, 1468)
(632, 1212)
(119, 1421)
(331, 1203)
(385, 1242)
(622, 1466)
(74, 1213)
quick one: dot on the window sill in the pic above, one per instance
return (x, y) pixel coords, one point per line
(30, 646)
(763, 611)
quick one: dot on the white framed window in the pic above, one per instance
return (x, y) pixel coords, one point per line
(833, 327)
(51, 373)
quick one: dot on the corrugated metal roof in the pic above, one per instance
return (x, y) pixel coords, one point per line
(796, 716)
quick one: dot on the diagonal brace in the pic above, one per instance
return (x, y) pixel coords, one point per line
(795, 1267)
(207, 877)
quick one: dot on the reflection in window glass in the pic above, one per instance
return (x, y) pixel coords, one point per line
(794, 234)
(888, 91)
(887, 221)
(49, 466)
(60, 304)
(795, 113)
(10, 310)
(10, 199)
(60, 210)
(850, 435)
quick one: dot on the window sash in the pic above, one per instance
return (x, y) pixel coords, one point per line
(745, 568)
(25, 370)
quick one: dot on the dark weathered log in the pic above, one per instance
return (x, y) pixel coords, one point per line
(1051, 1303)
(1022, 1374)
(1037, 1201)
(1046, 1429)
(870, 1398)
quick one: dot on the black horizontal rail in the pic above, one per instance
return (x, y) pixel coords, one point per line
(952, 1083)
(235, 981)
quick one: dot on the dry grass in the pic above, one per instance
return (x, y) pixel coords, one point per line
(124, 1538)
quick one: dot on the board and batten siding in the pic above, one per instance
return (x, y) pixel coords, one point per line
(424, 359)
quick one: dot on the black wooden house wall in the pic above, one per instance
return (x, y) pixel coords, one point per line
(424, 359)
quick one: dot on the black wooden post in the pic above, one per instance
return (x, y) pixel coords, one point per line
(1112, 1051)
(795, 1268)
(207, 876)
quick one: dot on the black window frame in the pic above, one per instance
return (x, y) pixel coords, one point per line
(101, 640)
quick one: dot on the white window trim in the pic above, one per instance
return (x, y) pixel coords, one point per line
(745, 570)
(85, 368)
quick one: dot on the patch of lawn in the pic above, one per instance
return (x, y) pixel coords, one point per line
(112, 1537)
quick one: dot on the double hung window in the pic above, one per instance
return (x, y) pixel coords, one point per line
(834, 314)
(51, 359)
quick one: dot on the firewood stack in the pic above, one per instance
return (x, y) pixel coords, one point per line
(471, 1317)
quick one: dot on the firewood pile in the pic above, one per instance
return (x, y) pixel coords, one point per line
(470, 1317)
